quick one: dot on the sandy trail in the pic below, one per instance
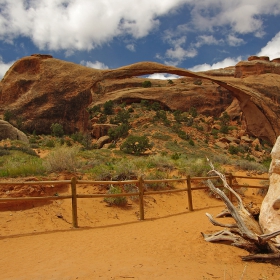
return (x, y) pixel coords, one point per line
(112, 243)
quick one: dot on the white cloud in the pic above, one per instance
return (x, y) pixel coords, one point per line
(234, 41)
(207, 40)
(96, 65)
(241, 16)
(221, 64)
(163, 76)
(272, 48)
(131, 47)
(4, 67)
(79, 24)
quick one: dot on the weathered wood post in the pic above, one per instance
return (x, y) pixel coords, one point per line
(230, 184)
(189, 193)
(141, 197)
(74, 202)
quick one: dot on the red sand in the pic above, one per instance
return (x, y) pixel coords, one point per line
(111, 243)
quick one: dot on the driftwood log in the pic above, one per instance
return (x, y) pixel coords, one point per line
(246, 232)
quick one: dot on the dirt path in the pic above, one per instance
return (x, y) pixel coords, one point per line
(111, 243)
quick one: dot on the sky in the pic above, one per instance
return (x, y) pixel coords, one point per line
(197, 35)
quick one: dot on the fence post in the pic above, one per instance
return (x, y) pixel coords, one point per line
(141, 197)
(189, 193)
(74, 202)
(230, 184)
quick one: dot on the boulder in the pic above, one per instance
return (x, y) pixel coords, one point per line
(234, 110)
(270, 212)
(102, 141)
(7, 131)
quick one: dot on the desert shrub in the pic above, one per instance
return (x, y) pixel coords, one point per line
(146, 84)
(183, 135)
(193, 112)
(102, 172)
(251, 165)
(124, 170)
(62, 158)
(160, 115)
(50, 143)
(174, 147)
(224, 129)
(102, 119)
(225, 119)
(156, 106)
(145, 103)
(119, 200)
(163, 137)
(233, 150)
(121, 117)
(191, 142)
(160, 162)
(4, 152)
(136, 144)
(57, 130)
(108, 107)
(19, 165)
(170, 82)
(118, 132)
(175, 156)
(8, 115)
(156, 175)
(197, 82)
(77, 137)
(198, 167)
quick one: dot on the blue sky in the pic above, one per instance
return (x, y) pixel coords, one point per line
(192, 34)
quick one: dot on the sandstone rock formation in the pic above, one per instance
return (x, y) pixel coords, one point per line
(44, 90)
(7, 131)
(270, 210)
(257, 66)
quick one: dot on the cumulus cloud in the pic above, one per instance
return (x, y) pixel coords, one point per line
(96, 65)
(4, 67)
(221, 64)
(227, 19)
(163, 76)
(272, 48)
(79, 24)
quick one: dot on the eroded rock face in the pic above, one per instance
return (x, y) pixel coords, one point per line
(257, 65)
(270, 210)
(7, 131)
(42, 90)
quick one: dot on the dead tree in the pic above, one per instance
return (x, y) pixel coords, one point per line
(246, 232)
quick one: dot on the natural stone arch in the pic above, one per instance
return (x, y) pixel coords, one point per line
(259, 123)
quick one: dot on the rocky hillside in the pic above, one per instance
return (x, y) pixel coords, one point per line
(40, 90)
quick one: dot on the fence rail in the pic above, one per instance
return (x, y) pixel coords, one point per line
(140, 186)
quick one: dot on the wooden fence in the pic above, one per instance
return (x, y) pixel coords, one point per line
(140, 183)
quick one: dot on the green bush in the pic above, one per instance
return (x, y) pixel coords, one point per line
(118, 132)
(135, 145)
(121, 117)
(57, 130)
(146, 84)
(108, 107)
(8, 115)
(193, 112)
(156, 106)
(119, 200)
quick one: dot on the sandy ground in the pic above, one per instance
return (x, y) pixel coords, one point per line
(37, 241)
